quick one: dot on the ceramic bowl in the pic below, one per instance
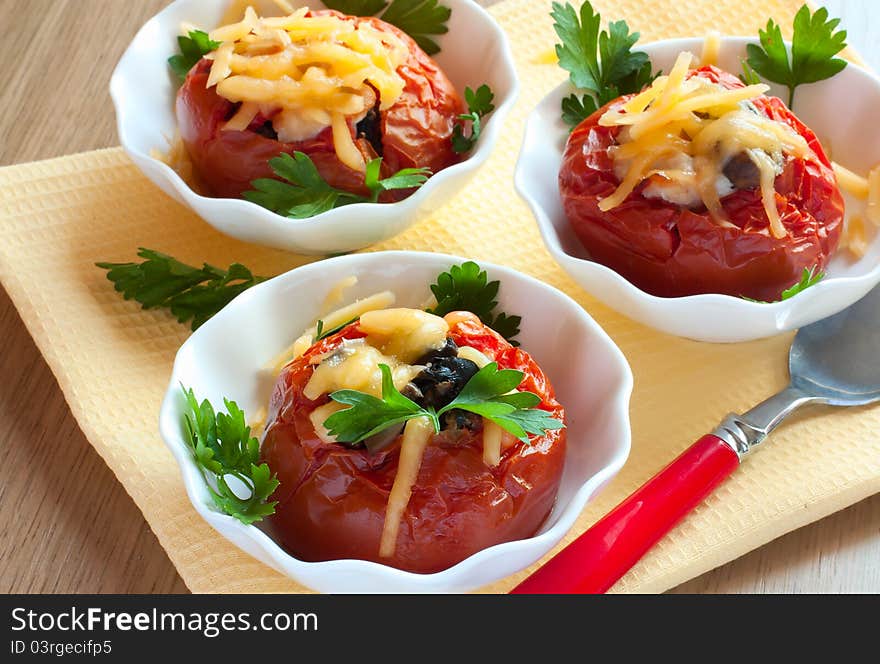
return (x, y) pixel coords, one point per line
(226, 359)
(474, 51)
(850, 131)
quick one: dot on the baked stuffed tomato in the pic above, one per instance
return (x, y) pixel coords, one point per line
(342, 90)
(376, 437)
(701, 184)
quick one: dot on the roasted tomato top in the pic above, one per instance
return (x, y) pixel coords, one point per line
(670, 250)
(332, 498)
(415, 132)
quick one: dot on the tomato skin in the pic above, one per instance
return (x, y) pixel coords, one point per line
(416, 130)
(332, 499)
(671, 251)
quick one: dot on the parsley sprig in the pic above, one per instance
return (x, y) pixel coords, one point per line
(479, 105)
(305, 193)
(420, 19)
(602, 64)
(485, 394)
(810, 277)
(223, 447)
(196, 294)
(190, 293)
(813, 47)
(192, 49)
(466, 287)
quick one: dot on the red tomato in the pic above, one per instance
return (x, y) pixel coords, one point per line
(415, 132)
(670, 251)
(332, 498)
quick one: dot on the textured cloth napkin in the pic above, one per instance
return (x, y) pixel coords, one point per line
(113, 360)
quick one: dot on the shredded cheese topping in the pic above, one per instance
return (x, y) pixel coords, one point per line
(306, 73)
(711, 48)
(396, 337)
(416, 436)
(866, 189)
(680, 133)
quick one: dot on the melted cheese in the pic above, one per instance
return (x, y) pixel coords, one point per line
(680, 133)
(850, 182)
(309, 72)
(406, 334)
(872, 211)
(355, 366)
(711, 47)
(416, 436)
(318, 416)
(854, 237)
(475, 356)
(332, 320)
(491, 443)
(242, 118)
(334, 297)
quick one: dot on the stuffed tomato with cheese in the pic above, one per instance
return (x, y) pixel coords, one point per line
(409, 496)
(701, 184)
(342, 89)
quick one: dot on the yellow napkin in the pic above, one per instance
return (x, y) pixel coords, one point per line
(113, 360)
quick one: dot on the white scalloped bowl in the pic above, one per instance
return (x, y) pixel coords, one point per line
(224, 358)
(474, 51)
(843, 113)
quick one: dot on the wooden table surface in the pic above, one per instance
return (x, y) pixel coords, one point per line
(66, 524)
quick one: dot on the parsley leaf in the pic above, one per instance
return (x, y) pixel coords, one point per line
(577, 109)
(749, 76)
(306, 194)
(192, 49)
(369, 415)
(602, 64)
(810, 277)
(407, 178)
(485, 394)
(466, 287)
(223, 447)
(417, 18)
(190, 293)
(196, 294)
(479, 105)
(813, 47)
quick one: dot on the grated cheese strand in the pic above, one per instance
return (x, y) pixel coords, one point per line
(416, 436)
(491, 443)
(680, 132)
(872, 210)
(308, 73)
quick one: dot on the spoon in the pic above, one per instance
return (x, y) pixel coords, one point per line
(835, 362)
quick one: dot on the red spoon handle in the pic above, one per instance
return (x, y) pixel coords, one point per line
(604, 553)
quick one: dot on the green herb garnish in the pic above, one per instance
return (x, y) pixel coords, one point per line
(810, 277)
(749, 76)
(192, 49)
(814, 44)
(602, 64)
(305, 193)
(223, 447)
(417, 18)
(198, 293)
(190, 293)
(321, 333)
(485, 394)
(479, 105)
(466, 287)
